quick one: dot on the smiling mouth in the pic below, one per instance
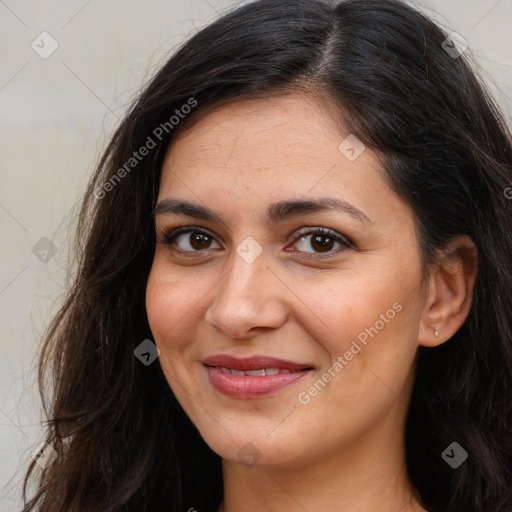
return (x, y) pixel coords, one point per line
(262, 372)
(253, 376)
(254, 383)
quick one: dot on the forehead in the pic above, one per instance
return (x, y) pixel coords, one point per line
(268, 149)
(284, 126)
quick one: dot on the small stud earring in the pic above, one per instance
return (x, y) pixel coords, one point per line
(436, 333)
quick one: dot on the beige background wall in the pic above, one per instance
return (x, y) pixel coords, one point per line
(55, 115)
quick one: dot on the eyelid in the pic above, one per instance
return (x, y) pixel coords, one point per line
(344, 241)
(170, 235)
(310, 230)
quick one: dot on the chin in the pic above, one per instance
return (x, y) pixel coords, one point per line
(253, 450)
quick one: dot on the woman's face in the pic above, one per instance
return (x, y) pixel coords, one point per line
(339, 309)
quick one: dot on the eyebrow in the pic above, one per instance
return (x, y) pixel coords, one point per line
(276, 212)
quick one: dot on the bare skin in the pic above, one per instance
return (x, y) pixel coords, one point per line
(341, 448)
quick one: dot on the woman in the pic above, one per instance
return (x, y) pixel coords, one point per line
(294, 286)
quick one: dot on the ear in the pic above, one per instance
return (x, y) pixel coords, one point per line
(450, 292)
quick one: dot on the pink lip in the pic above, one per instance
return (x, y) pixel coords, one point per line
(253, 363)
(248, 386)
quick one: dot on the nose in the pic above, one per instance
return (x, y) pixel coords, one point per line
(248, 298)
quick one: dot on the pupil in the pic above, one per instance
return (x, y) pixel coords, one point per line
(325, 245)
(199, 238)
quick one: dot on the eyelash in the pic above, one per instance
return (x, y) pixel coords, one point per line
(170, 236)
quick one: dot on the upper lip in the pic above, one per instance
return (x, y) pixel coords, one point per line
(253, 363)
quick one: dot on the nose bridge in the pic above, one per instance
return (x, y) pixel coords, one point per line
(247, 267)
(243, 282)
(245, 297)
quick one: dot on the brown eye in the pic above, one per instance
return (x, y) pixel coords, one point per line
(190, 240)
(199, 241)
(322, 241)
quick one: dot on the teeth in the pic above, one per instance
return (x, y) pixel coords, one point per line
(253, 373)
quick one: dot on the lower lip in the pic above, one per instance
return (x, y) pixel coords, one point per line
(248, 386)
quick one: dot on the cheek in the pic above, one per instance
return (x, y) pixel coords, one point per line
(370, 319)
(169, 307)
(172, 306)
(159, 306)
(341, 307)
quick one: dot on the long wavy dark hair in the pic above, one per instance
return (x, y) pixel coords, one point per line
(122, 439)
